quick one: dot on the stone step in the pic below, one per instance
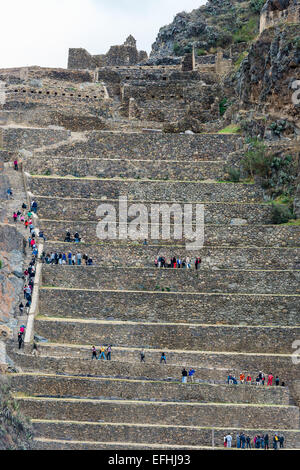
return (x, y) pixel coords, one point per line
(169, 191)
(136, 169)
(155, 434)
(70, 209)
(146, 412)
(272, 236)
(260, 339)
(210, 366)
(170, 307)
(172, 280)
(212, 257)
(156, 146)
(42, 385)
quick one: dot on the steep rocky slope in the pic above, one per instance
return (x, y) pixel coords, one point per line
(219, 23)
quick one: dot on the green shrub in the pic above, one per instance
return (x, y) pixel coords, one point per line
(256, 5)
(234, 174)
(278, 127)
(247, 31)
(257, 161)
(201, 52)
(177, 49)
(281, 214)
(223, 106)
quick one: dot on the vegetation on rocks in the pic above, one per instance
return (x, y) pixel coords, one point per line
(219, 23)
(15, 430)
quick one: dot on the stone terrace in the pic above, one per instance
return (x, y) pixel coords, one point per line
(238, 313)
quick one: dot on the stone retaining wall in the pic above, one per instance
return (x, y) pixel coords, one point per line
(214, 235)
(152, 413)
(215, 213)
(144, 434)
(167, 191)
(173, 280)
(26, 138)
(221, 258)
(165, 307)
(156, 146)
(254, 339)
(126, 364)
(146, 390)
(190, 171)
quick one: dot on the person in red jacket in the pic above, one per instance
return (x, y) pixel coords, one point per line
(270, 380)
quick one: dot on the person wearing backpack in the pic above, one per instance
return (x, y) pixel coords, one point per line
(275, 442)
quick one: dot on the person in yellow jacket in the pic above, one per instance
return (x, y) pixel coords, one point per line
(102, 353)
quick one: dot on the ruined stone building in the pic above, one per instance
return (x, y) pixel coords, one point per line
(276, 12)
(125, 55)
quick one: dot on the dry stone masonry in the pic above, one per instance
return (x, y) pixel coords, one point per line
(96, 131)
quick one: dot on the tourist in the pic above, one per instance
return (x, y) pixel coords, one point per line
(277, 381)
(20, 339)
(198, 263)
(94, 353)
(15, 216)
(270, 380)
(34, 207)
(34, 349)
(248, 379)
(281, 442)
(68, 237)
(229, 440)
(275, 442)
(242, 378)
(102, 353)
(78, 259)
(266, 439)
(21, 308)
(248, 442)
(238, 441)
(191, 374)
(184, 376)
(108, 353)
(9, 193)
(77, 237)
(243, 440)
(142, 354)
(163, 358)
(16, 167)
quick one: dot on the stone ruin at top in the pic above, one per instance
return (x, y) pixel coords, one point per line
(124, 55)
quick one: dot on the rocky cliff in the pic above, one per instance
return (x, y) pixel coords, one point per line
(219, 23)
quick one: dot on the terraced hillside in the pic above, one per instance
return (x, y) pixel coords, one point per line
(239, 312)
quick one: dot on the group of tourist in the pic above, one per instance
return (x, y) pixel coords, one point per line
(24, 216)
(162, 262)
(69, 239)
(104, 353)
(259, 380)
(66, 258)
(258, 442)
